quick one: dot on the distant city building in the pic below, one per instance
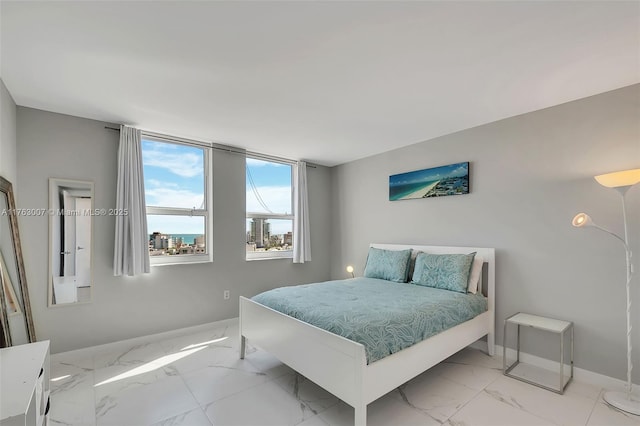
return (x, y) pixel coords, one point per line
(260, 232)
(163, 245)
(161, 241)
(187, 250)
(288, 238)
(275, 240)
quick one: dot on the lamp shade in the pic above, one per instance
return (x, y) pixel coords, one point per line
(350, 269)
(618, 179)
(582, 219)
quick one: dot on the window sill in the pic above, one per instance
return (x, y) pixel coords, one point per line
(180, 260)
(257, 255)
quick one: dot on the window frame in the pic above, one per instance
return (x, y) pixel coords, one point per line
(274, 254)
(206, 257)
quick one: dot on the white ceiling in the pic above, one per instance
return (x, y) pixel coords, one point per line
(328, 82)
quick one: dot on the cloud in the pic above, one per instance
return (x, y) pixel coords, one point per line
(182, 162)
(159, 184)
(173, 197)
(277, 198)
(461, 170)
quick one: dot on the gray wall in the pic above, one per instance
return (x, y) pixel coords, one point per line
(7, 135)
(530, 175)
(171, 297)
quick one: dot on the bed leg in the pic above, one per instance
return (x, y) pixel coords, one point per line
(361, 416)
(491, 343)
(243, 346)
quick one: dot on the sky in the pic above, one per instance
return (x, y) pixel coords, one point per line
(174, 177)
(430, 175)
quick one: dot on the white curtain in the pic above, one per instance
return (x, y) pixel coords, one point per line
(131, 254)
(301, 230)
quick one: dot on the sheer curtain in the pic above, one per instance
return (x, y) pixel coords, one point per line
(301, 239)
(131, 254)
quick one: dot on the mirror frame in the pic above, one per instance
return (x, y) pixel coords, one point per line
(52, 217)
(7, 189)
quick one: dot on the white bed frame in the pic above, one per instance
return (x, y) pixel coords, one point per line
(339, 365)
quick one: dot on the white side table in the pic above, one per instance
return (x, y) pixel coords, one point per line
(541, 323)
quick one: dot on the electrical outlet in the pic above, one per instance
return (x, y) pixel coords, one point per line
(226, 295)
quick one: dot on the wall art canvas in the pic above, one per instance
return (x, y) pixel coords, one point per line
(452, 179)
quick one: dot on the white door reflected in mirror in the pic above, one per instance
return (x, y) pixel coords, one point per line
(71, 235)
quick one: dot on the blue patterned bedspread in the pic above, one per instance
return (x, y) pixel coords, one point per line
(384, 316)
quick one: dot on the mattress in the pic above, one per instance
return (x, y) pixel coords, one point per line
(384, 316)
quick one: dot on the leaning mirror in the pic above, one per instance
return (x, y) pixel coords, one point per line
(71, 241)
(16, 319)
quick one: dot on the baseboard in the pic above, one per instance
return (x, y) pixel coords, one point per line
(150, 337)
(579, 374)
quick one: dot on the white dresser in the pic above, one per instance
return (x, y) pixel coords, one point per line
(24, 384)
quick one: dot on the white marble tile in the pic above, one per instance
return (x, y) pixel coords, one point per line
(316, 421)
(572, 408)
(146, 404)
(542, 376)
(71, 362)
(307, 392)
(265, 405)
(195, 417)
(473, 376)
(472, 356)
(72, 396)
(385, 411)
(123, 355)
(267, 363)
(484, 410)
(115, 379)
(207, 356)
(604, 414)
(73, 401)
(216, 382)
(67, 377)
(435, 395)
(217, 335)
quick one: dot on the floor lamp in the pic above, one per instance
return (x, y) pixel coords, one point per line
(620, 181)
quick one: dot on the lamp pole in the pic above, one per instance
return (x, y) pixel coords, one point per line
(623, 190)
(621, 182)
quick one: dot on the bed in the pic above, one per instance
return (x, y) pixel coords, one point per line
(341, 365)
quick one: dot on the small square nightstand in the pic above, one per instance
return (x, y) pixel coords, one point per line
(541, 323)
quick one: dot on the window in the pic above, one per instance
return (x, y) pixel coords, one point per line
(269, 209)
(176, 193)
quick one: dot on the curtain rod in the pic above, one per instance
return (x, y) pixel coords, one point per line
(224, 148)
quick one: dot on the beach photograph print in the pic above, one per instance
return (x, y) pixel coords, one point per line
(435, 182)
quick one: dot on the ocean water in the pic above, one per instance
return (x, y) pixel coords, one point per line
(396, 192)
(186, 238)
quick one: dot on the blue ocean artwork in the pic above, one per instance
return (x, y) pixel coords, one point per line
(452, 179)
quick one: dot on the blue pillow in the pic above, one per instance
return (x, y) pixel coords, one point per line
(444, 271)
(390, 265)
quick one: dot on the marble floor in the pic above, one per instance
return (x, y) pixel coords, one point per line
(196, 378)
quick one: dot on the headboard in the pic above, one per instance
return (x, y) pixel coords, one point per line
(488, 278)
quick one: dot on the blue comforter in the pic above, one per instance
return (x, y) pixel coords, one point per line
(384, 316)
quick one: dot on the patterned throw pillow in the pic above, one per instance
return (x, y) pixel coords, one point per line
(444, 271)
(391, 265)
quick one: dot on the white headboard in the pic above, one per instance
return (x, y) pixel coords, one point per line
(488, 254)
